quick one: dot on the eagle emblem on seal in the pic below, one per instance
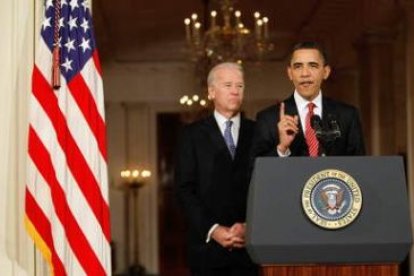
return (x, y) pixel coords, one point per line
(333, 198)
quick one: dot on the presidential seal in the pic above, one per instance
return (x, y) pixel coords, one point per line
(331, 199)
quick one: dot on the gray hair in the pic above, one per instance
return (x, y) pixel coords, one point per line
(228, 65)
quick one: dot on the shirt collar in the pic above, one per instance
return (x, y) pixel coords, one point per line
(221, 120)
(302, 103)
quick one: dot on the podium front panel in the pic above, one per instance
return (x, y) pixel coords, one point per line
(279, 232)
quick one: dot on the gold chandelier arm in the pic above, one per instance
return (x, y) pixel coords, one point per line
(229, 41)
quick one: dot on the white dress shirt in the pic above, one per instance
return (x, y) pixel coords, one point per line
(302, 106)
(221, 121)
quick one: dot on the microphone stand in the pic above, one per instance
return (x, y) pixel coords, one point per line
(322, 144)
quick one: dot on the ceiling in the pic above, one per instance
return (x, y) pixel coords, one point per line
(153, 31)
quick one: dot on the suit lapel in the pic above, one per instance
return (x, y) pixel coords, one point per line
(241, 143)
(327, 108)
(213, 131)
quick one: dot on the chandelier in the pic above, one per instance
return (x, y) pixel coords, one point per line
(229, 41)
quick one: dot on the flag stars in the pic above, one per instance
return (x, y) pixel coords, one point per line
(48, 4)
(61, 23)
(74, 42)
(70, 45)
(85, 44)
(73, 4)
(67, 64)
(46, 23)
(85, 4)
(85, 25)
(72, 22)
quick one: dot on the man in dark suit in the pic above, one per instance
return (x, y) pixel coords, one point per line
(212, 179)
(294, 127)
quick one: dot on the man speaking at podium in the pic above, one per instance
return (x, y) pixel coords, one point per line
(308, 123)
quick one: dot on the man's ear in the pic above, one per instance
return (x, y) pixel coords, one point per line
(211, 93)
(327, 72)
(289, 72)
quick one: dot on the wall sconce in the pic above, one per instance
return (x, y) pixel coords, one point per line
(135, 178)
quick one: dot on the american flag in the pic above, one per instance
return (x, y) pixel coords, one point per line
(67, 210)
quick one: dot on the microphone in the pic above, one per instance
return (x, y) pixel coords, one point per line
(316, 124)
(326, 131)
(334, 130)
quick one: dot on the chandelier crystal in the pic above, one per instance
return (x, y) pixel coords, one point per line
(229, 41)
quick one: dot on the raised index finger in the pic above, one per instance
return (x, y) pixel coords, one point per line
(282, 110)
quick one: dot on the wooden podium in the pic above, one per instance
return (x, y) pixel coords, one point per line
(285, 242)
(328, 270)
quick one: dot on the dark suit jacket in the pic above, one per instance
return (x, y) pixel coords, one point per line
(212, 188)
(266, 136)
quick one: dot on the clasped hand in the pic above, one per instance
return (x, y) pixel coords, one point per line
(230, 237)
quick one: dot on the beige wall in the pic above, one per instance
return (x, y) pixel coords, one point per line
(16, 54)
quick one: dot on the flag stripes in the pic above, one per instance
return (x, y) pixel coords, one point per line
(92, 78)
(75, 159)
(76, 200)
(42, 234)
(75, 236)
(45, 205)
(81, 94)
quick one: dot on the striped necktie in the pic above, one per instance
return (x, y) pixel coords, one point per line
(228, 137)
(310, 135)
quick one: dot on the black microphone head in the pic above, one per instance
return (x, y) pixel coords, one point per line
(333, 126)
(316, 122)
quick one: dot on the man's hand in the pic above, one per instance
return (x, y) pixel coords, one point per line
(229, 237)
(223, 236)
(287, 127)
(238, 230)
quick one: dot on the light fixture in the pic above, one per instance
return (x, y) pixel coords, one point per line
(134, 178)
(131, 181)
(231, 41)
(193, 101)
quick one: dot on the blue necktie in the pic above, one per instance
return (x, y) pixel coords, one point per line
(229, 138)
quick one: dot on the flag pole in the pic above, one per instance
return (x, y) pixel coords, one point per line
(56, 50)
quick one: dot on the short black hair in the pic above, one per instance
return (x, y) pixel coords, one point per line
(310, 45)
